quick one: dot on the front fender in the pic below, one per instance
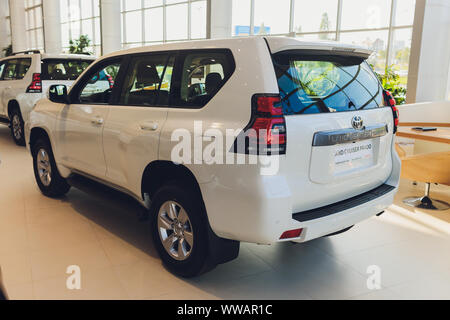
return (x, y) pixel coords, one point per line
(44, 116)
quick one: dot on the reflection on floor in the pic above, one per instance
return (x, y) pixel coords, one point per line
(40, 238)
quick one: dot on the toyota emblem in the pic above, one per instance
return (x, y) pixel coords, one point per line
(358, 123)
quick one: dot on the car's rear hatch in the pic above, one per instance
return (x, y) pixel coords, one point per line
(339, 131)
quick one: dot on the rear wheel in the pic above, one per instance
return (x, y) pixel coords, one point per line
(179, 230)
(46, 173)
(17, 127)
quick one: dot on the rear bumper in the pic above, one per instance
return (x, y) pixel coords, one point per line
(263, 217)
(328, 224)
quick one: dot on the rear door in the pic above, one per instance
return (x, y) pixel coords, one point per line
(133, 128)
(339, 132)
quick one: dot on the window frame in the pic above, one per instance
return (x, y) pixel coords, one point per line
(178, 75)
(125, 61)
(127, 68)
(316, 53)
(74, 94)
(21, 60)
(44, 72)
(18, 65)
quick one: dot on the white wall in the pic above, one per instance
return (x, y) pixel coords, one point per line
(52, 26)
(18, 28)
(5, 38)
(428, 78)
(111, 26)
(438, 112)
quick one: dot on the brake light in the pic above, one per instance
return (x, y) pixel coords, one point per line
(390, 101)
(266, 133)
(111, 81)
(36, 84)
(291, 234)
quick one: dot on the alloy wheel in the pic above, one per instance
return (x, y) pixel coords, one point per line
(17, 127)
(175, 230)
(44, 167)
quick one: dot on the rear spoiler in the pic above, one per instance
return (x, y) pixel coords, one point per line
(338, 51)
(282, 44)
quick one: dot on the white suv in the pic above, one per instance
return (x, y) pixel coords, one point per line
(23, 79)
(254, 139)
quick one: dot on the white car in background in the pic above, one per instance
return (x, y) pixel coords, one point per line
(26, 77)
(315, 109)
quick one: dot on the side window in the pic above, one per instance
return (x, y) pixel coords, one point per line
(2, 68)
(22, 68)
(148, 81)
(10, 70)
(100, 83)
(202, 76)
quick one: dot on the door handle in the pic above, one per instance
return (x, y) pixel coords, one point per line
(149, 126)
(97, 121)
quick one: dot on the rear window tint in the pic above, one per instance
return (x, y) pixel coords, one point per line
(322, 83)
(24, 66)
(63, 69)
(203, 74)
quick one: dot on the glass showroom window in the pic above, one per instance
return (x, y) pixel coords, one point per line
(34, 24)
(384, 26)
(81, 17)
(157, 21)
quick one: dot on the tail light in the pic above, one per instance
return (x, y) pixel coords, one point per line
(266, 133)
(36, 84)
(291, 234)
(390, 101)
(110, 80)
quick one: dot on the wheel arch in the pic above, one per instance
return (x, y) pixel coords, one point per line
(159, 172)
(37, 133)
(13, 103)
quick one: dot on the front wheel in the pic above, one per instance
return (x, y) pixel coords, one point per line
(46, 173)
(17, 127)
(179, 230)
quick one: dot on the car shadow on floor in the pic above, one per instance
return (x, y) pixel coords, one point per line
(115, 213)
(285, 267)
(5, 135)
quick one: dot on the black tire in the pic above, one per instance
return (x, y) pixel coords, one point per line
(57, 186)
(198, 261)
(17, 126)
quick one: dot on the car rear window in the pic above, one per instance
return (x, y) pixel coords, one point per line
(63, 69)
(318, 83)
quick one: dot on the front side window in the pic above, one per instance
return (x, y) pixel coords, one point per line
(62, 69)
(100, 83)
(149, 81)
(202, 76)
(321, 83)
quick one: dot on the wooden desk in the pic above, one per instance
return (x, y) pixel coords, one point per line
(441, 135)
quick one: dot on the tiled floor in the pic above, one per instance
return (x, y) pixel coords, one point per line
(40, 238)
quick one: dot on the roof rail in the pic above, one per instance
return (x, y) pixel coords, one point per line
(27, 52)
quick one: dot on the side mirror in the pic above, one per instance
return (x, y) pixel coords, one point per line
(58, 93)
